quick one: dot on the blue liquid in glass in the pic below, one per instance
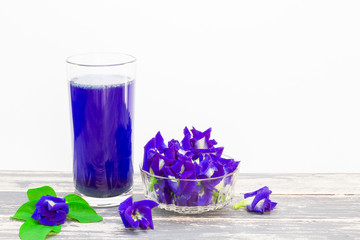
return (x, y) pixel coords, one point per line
(103, 123)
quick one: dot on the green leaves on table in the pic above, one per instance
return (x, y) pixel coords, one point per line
(83, 213)
(79, 210)
(37, 193)
(25, 211)
(32, 230)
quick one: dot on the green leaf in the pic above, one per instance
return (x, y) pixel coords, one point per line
(37, 193)
(32, 230)
(25, 211)
(215, 195)
(75, 198)
(153, 181)
(83, 213)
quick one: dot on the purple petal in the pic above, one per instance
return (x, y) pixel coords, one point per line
(176, 168)
(186, 131)
(205, 197)
(170, 154)
(186, 143)
(144, 223)
(195, 133)
(261, 201)
(59, 207)
(187, 174)
(260, 196)
(163, 191)
(261, 206)
(36, 215)
(157, 165)
(125, 204)
(168, 172)
(125, 208)
(50, 210)
(125, 222)
(263, 190)
(206, 168)
(150, 145)
(182, 201)
(186, 188)
(174, 143)
(201, 139)
(129, 218)
(272, 205)
(58, 218)
(48, 222)
(145, 203)
(211, 143)
(160, 145)
(146, 214)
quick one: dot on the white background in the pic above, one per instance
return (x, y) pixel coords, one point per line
(278, 81)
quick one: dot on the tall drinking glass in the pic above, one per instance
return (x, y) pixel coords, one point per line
(102, 108)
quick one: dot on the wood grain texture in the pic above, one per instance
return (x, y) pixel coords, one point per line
(311, 206)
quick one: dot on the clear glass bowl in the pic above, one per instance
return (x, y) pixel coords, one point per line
(189, 196)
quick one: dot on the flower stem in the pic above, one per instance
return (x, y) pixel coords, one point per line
(239, 204)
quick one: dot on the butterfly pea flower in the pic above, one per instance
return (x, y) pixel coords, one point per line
(149, 153)
(137, 214)
(159, 142)
(158, 162)
(51, 210)
(197, 153)
(175, 144)
(170, 154)
(152, 148)
(184, 170)
(205, 194)
(257, 201)
(201, 140)
(195, 157)
(163, 191)
(206, 168)
(186, 142)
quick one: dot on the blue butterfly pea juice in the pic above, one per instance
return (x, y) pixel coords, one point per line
(102, 115)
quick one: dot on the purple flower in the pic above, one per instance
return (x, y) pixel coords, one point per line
(204, 194)
(51, 210)
(195, 157)
(186, 142)
(163, 191)
(201, 140)
(257, 201)
(137, 214)
(160, 145)
(149, 152)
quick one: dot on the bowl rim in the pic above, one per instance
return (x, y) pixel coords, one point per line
(189, 180)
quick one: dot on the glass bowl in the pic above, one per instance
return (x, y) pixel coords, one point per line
(189, 196)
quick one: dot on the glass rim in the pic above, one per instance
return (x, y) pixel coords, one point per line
(189, 180)
(72, 59)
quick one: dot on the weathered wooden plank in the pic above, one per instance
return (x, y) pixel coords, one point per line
(296, 216)
(290, 207)
(211, 230)
(311, 206)
(284, 183)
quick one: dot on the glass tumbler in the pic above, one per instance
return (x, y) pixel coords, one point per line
(101, 89)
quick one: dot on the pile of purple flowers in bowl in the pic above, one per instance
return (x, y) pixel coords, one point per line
(191, 176)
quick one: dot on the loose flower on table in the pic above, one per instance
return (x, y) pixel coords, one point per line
(51, 210)
(137, 214)
(257, 201)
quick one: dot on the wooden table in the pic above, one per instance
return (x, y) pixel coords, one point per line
(310, 206)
